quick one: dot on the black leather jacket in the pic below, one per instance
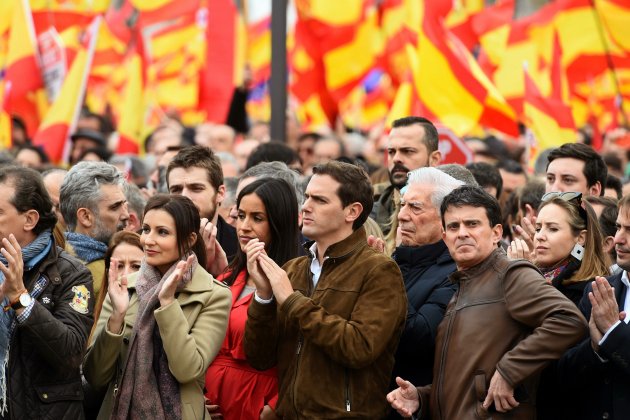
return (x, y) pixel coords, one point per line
(47, 349)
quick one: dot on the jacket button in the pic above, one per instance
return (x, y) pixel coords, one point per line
(605, 415)
(45, 396)
(126, 340)
(607, 381)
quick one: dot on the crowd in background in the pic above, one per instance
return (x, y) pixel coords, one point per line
(212, 223)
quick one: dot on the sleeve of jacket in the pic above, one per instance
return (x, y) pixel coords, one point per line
(616, 347)
(60, 335)
(190, 350)
(556, 322)
(378, 314)
(261, 335)
(99, 363)
(421, 326)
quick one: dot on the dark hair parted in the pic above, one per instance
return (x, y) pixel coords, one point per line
(281, 207)
(198, 157)
(431, 139)
(467, 195)
(355, 186)
(595, 169)
(187, 221)
(30, 194)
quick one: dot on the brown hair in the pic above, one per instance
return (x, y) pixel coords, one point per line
(122, 237)
(355, 186)
(595, 262)
(198, 157)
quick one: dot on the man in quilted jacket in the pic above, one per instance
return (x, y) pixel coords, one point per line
(47, 302)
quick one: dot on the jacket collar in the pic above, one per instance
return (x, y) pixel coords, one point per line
(344, 247)
(436, 253)
(47, 265)
(473, 272)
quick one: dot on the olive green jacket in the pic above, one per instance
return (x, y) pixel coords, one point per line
(192, 329)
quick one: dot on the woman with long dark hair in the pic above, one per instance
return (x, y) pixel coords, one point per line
(160, 328)
(267, 214)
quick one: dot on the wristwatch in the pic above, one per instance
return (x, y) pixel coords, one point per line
(23, 301)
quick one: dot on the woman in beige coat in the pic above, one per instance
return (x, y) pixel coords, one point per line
(160, 328)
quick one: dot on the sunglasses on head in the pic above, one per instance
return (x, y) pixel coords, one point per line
(565, 196)
(571, 197)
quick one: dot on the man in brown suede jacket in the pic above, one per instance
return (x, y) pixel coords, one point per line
(330, 321)
(503, 325)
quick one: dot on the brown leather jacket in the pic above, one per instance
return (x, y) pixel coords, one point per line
(504, 317)
(335, 349)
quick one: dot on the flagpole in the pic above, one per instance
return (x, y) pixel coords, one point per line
(609, 60)
(278, 84)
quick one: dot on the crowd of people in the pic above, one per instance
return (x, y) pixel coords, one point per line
(327, 276)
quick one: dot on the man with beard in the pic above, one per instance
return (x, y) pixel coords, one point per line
(195, 172)
(412, 144)
(92, 202)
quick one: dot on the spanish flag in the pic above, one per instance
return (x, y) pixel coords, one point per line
(61, 119)
(549, 119)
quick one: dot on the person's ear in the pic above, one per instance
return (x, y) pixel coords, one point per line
(220, 195)
(595, 189)
(31, 217)
(581, 239)
(609, 244)
(435, 158)
(85, 218)
(353, 211)
(497, 234)
(192, 240)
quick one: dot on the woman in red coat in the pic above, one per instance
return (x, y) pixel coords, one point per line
(267, 216)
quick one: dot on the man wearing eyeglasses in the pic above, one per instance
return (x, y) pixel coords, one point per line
(503, 325)
(425, 264)
(597, 371)
(412, 144)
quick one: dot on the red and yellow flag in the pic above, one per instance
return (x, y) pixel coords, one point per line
(61, 119)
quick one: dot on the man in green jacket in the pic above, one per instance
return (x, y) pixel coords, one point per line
(330, 321)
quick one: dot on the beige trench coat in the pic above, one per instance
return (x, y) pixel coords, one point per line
(192, 330)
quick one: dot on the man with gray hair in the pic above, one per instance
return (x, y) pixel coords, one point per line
(135, 205)
(425, 264)
(93, 204)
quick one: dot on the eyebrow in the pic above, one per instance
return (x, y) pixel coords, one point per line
(117, 204)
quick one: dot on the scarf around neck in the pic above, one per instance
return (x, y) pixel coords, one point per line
(148, 390)
(85, 247)
(32, 254)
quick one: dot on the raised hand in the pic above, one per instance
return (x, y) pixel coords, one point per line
(13, 285)
(118, 295)
(253, 250)
(405, 399)
(518, 249)
(216, 260)
(376, 243)
(605, 311)
(501, 394)
(277, 278)
(526, 230)
(166, 295)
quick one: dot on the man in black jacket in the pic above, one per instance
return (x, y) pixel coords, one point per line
(425, 264)
(596, 373)
(47, 301)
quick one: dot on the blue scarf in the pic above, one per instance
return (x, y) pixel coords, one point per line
(32, 254)
(86, 248)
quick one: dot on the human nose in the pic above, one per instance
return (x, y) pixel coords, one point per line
(620, 237)
(403, 214)
(127, 268)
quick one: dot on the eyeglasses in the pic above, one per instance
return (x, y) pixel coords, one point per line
(570, 197)
(564, 196)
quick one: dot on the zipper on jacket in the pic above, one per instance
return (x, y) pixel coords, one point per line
(347, 390)
(447, 338)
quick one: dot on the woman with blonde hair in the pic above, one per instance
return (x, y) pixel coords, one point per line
(567, 245)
